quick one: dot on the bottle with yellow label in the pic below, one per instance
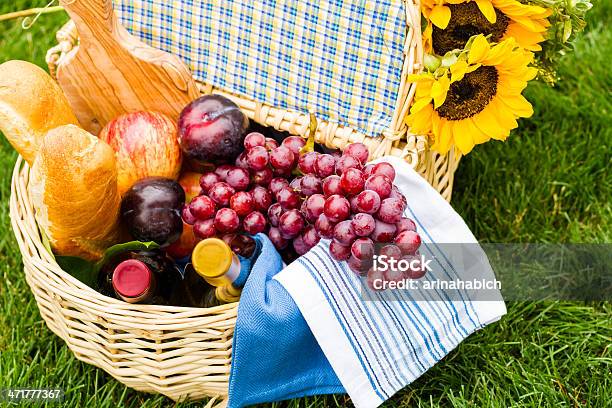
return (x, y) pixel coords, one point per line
(214, 261)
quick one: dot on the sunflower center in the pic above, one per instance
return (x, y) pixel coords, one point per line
(471, 95)
(467, 21)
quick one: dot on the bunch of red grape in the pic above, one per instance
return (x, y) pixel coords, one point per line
(336, 197)
(237, 198)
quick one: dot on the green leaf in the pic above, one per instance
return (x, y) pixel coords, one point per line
(124, 247)
(83, 270)
(87, 272)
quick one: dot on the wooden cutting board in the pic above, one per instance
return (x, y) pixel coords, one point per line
(111, 72)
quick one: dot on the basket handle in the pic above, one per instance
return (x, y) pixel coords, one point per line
(93, 18)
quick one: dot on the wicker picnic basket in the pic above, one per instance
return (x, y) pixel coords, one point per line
(177, 351)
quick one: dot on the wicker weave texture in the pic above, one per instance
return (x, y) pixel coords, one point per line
(186, 352)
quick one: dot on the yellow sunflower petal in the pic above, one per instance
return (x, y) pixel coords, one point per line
(439, 90)
(487, 10)
(485, 121)
(458, 70)
(440, 16)
(518, 104)
(462, 137)
(477, 135)
(479, 50)
(421, 121)
(505, 117)
(444, 137)
(419, 104)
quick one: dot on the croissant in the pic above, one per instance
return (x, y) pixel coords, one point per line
(31, 103)
(73, 185)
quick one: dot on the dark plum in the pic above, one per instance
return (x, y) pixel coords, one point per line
(151, 210)
(212, 129)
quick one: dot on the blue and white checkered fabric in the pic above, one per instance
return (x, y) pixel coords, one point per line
(341, 59)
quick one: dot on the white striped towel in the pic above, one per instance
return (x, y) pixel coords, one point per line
(378, 347)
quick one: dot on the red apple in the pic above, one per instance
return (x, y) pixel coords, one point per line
(184, 245)
(190, 181)
(146, 144)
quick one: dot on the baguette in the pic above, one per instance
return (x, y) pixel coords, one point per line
(73, 185)
(31, 104)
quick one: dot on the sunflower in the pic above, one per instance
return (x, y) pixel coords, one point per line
(472, 95)
(453, 22)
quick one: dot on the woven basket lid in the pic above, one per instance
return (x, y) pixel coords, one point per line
(339, 59)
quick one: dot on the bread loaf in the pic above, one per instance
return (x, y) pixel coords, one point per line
(73, 185)
(31, 103)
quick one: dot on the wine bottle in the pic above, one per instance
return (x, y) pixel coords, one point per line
(140, 277)
(214, 261)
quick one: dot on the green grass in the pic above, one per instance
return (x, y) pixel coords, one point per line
(549, 183)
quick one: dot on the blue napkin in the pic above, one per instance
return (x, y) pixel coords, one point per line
(275, 355)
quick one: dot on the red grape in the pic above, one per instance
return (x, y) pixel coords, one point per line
(241, 161)
(254, 139)
(363, 224)
(367, 201)
(331, 185)
(363, 249)
(187, 216)
(384, 169)
(367, 170)
(418, 271)
(359, 266)
(383, 232)
(202, 207)
(261, 198)
(375, 278)
(346, 162)
(391, 251)
(352, 181)
(238, 178)
(262, 177)
(324, 226)
(344, 233)
(310, 236)
(277, 239)
(396, 193)
(242, 203)
(339, 252)
(276, 184)
(288, 198)
(282, 157)
(296, 184)
(408, 241)
(306, 162)
(226, 220)
(223, 169)
(271, 143)
(393, 274)
(313, 207)
(208, 180)
(336, 208)
(274, 213)
(405, 224)
(294, 143)
(300, 246)
(358, 151)
(221, 193)
(285, 173)
(310, 184)
(204, 228)
(291, 224)
(390, 210)
(324, 166)
(380, 184)
(254, 223)
(257, 158)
